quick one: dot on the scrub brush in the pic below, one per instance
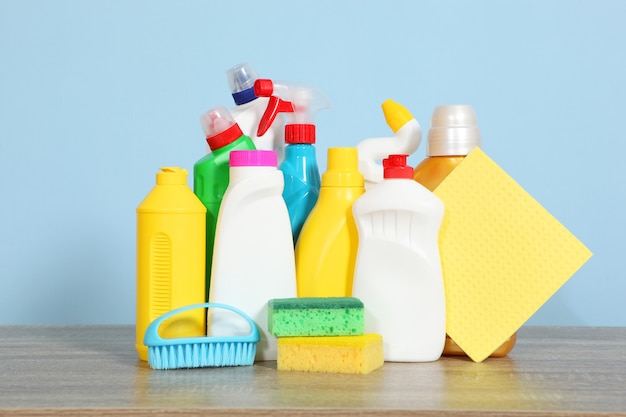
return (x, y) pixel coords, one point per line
(200, 352)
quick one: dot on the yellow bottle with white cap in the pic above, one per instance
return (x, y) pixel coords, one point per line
(171, 239)
(327, 247)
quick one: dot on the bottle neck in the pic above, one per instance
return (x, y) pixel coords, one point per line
(343, 169)
(299, 149)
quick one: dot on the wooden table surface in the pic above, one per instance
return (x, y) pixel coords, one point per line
(93, 370)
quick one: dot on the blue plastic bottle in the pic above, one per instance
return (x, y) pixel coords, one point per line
(300, 170)
(302, 182)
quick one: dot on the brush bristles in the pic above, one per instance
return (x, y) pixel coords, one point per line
(201, 355)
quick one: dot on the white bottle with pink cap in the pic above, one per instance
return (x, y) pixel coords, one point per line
(253, 258)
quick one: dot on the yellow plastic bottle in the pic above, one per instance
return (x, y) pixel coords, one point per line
(171, 239)
(327, 247)
(452, 135)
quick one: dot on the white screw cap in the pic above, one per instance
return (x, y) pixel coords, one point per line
(453, 131)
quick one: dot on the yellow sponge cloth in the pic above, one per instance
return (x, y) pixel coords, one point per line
(503, 255)
(335, 354)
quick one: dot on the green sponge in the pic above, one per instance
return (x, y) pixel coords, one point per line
(316, 316)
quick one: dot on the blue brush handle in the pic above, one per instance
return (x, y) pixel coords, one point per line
(152, 337)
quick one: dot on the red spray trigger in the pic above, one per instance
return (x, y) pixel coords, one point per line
(275, 105)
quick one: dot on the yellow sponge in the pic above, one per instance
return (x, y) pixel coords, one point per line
(503, 255)
(335, 354)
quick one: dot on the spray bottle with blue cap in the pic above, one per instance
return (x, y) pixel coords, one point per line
(249, 108)
(299, 168)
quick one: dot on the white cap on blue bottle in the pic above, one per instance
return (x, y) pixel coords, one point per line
(453, 131)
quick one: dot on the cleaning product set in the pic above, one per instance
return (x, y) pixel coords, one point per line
(326, 256)
(281, 251)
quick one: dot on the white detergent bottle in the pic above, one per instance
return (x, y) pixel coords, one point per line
(249, 108)
(407, 138)
(398, 273)
(253, 258)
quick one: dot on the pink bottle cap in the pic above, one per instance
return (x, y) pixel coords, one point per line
(253, 158)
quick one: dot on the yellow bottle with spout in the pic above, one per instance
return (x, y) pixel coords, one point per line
(452, 135)
(327, 247)
(171, 239)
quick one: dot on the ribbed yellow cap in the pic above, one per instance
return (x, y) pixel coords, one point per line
(396, 114)
(172, 176)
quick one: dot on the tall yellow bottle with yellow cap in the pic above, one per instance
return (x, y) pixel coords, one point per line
(171, 239)
(327, 247)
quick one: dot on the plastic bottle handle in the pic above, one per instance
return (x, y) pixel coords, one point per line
(152, 337)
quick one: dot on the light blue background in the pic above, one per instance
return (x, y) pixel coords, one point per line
(95, 96)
